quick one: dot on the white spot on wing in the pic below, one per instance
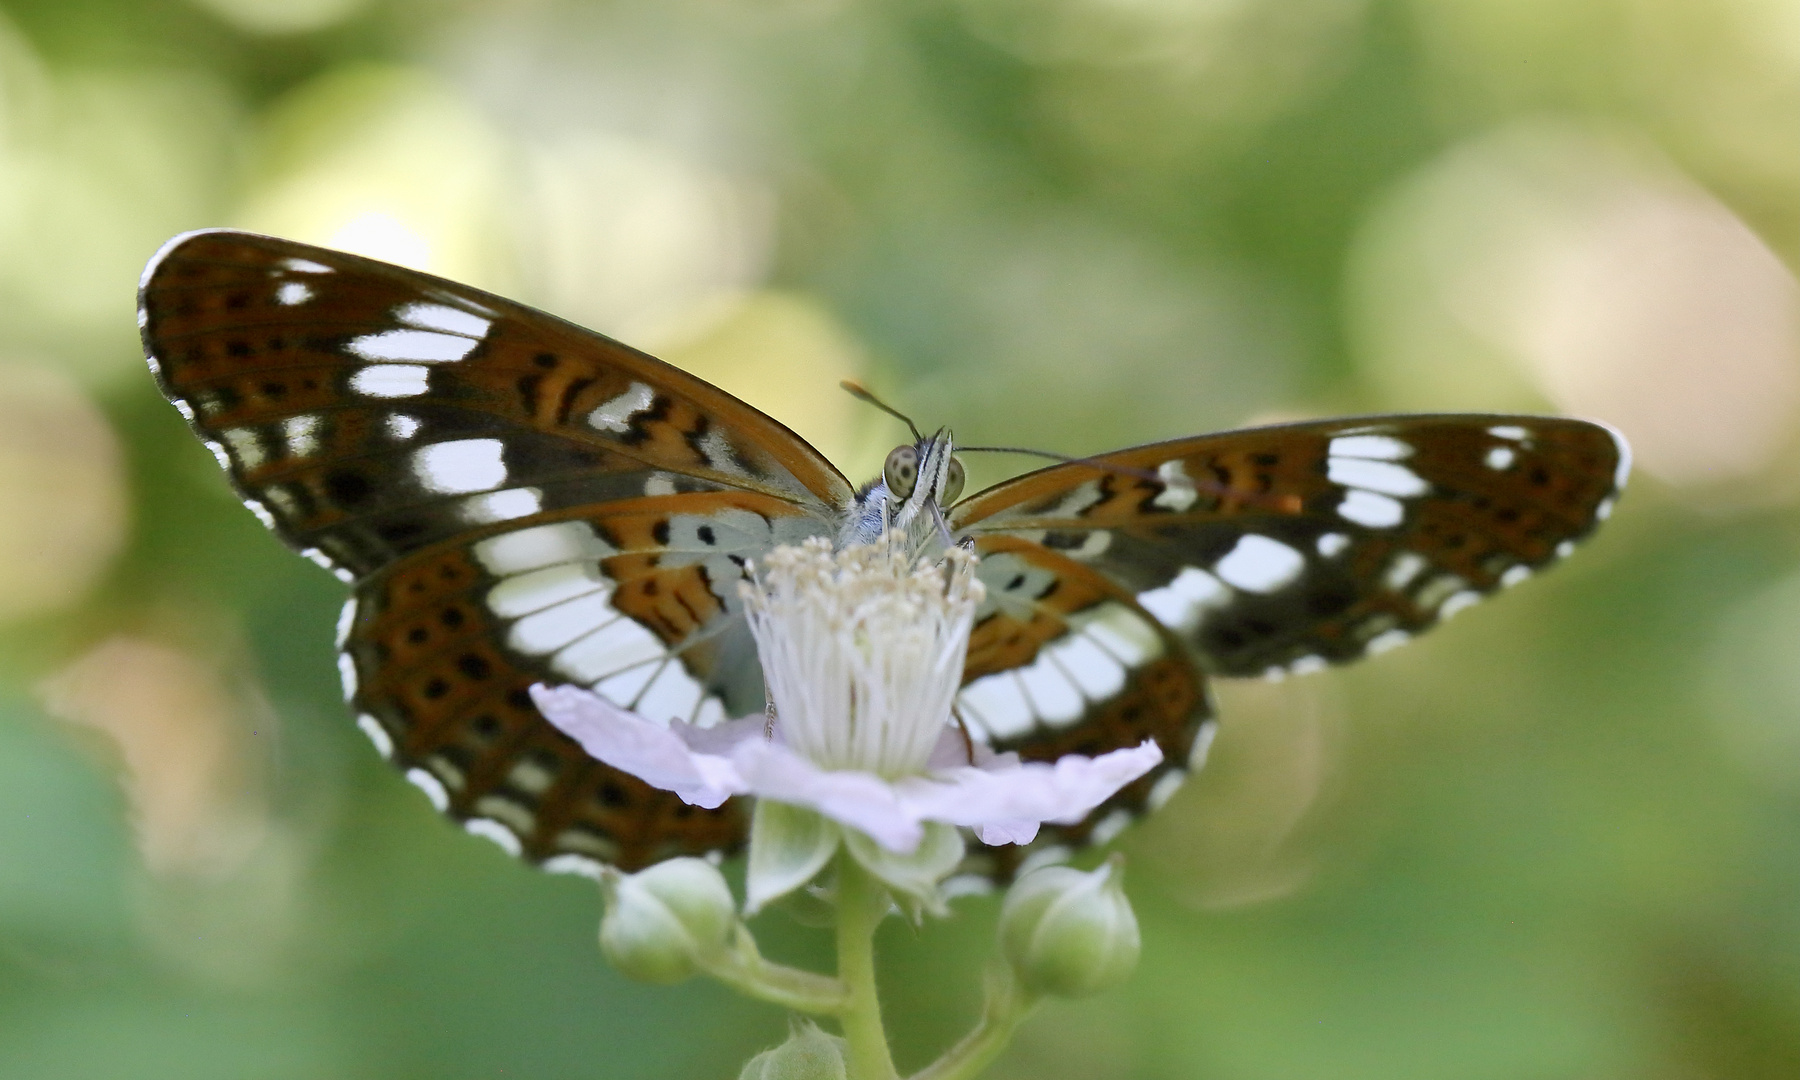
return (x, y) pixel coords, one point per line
(672, 695)
(1109, 827)
(1510, 432)
(615, 415)
(614, 647)
(291, 293)
(261, 512)
(301, 433)
(530, 777)
(1306, 665)
(540, 546)
(1333, 543)
(1056, 701)
(1370, 509)
(442, 317)
(1457, 601)
(1371, 447)
(1515, 574)
(182, 407)
(391, 380)
(218, 453)
(498, 833)
(431, 786)
(1087, 493)
(305, 266)
(346, 621)
(624, 688)
(1382, 476)
(1500, 458)
(246, 445)
(1182, 603)
(1604, 510)
(1203, 740)
(711, 714)
(551, 629)
(539, 589)
(1402, 569)
(1438, 589)
(1096, 673)
(1259, 564)
(998, 703)
(515, 815)
(347, 675)
(718, 452)
(1165, 788)
(460, 466)
(1178, 492)
(1387, 639)
(384, 743)
(501, 505)
(1120, 631)
(1565, 549)
(578, 865)
(401, 427)
(417, 346)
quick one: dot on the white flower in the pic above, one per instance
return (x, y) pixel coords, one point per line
(862, 653)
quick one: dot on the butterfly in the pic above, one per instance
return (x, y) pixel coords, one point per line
(516, 500)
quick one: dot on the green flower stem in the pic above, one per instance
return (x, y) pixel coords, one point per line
(743, 969)
(1006, 1006)
(861, 904)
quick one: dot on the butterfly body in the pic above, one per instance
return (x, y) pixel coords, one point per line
(516, 500)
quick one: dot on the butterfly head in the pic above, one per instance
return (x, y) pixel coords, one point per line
(917, 481)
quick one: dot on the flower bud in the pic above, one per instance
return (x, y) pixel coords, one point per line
(662, 922)
(809, 1054)
(1070, 933)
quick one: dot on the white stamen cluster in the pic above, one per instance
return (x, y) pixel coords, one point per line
(862, 649)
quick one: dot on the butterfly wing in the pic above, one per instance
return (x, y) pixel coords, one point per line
(1267, 551)
(516, 500)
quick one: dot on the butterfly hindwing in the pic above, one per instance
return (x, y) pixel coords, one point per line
(1063, 661)
(1290, 547)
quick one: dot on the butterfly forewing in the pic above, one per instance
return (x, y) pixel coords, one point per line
(518, 501)
(1290, 547)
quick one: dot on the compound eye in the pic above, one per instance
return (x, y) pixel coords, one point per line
(901, 471)
(953, 482)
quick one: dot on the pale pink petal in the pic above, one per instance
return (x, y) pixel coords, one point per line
(1003, 799)
(1007, 796)
(860, 800)
(954, 749)
(721, 738)
(647, 751)
(996, 833)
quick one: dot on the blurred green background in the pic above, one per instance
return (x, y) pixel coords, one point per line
(1557, 840)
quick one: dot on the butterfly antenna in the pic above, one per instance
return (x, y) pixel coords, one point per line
(861, 393)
